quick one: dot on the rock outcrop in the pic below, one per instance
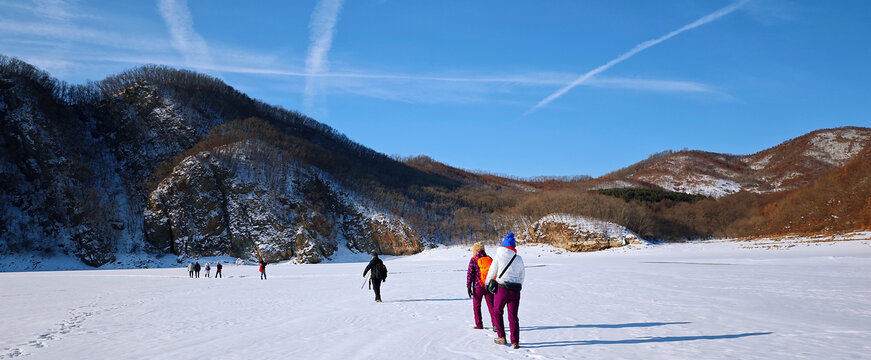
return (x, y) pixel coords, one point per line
(236, 201)
(578, 233)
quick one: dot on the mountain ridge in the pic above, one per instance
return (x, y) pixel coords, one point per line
(163, 161)
(794, 163)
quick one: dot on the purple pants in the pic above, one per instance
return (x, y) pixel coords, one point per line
(476, 305)
(511, 298)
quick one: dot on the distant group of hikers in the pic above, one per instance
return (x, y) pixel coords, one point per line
(195, 267)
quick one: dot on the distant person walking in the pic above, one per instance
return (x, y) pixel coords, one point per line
(208, 268)
(191, 269)
(475, 275)
(197, 269)
(507, 269)
(218, 271)
(379, 274)
(263, 270)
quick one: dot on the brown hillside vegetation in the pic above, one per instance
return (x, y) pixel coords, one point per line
(819, 193)
(427, 164)
(839, 201)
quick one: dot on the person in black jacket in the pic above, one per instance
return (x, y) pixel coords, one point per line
(197, 269)
(376, 266)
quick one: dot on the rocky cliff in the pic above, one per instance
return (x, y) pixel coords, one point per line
(250, 200)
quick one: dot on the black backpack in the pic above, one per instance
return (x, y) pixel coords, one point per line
(380, 272)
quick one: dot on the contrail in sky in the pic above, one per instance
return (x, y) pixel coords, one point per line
(181, 28)
(322, 25)
(637, 49)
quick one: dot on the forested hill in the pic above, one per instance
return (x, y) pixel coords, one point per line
(83, 167)
(160, 161)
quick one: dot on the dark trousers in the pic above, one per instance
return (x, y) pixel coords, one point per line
(198, 274)
(218, 274)
(376, 285)
(191, 273)
(511, 299)
(479, 293)
(263, 275)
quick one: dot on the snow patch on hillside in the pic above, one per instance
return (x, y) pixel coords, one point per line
(836, 147)
(758, 164)
(615, 184)
(778, 183)
(522, 187)
(698, 184)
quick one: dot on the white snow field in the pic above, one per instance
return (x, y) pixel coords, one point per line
(704, 300)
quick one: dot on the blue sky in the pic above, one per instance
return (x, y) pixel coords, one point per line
(523, 88)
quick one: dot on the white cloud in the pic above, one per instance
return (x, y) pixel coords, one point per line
(637, 49)
(181, 29)
(411, 88)
(56, 10)
(649, 84)
(53, 9)
(322, 27)
(68, 32)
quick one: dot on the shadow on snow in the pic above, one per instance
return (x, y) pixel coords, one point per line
(640, 340)
(418, 300)
(603, 326)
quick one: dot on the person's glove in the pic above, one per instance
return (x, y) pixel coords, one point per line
(469, 291)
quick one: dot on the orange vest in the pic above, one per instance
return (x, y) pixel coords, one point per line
(483, 267)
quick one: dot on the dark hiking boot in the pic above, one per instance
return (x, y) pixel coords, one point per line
(377, 300)
(478, 327)
(515, 345)
(500, 341)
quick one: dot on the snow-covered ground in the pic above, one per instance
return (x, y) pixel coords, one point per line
(707, 300)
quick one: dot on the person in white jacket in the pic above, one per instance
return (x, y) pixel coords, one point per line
(508, 270)
(191, 269)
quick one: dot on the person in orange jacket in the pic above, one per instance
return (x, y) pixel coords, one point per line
(475, 275)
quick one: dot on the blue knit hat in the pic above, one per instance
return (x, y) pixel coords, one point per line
(508, 240)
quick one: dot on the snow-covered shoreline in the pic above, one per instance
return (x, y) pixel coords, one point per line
(36, 262)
